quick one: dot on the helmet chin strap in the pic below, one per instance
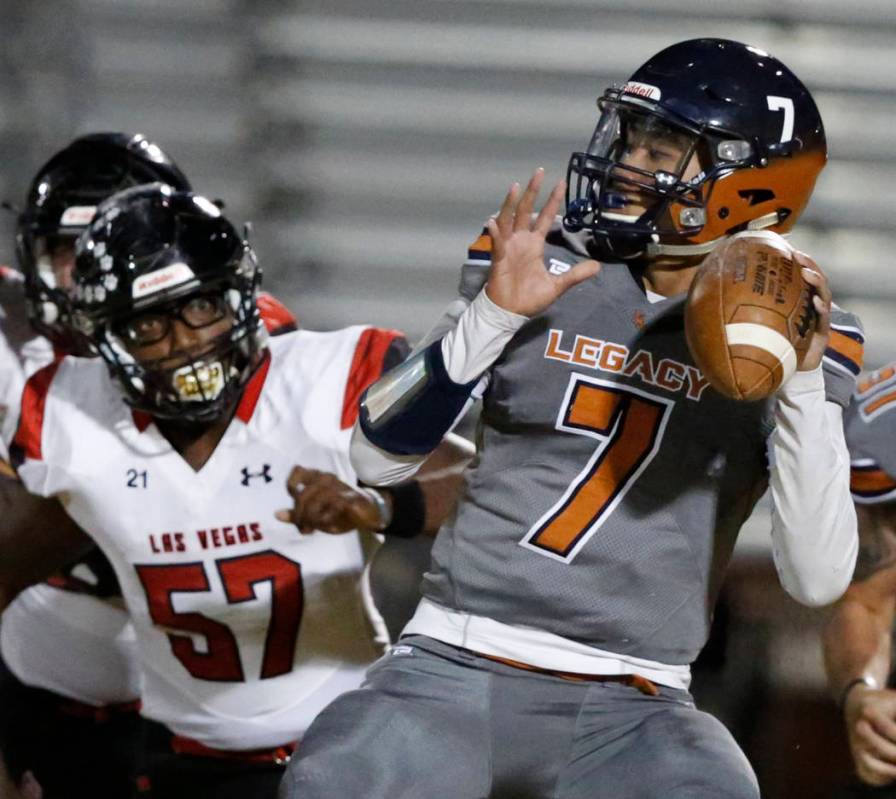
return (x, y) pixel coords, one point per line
(614, 216)
(655, 248)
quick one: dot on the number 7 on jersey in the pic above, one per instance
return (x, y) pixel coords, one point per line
(629, 424)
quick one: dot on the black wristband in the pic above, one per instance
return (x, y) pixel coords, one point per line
(408, 510)
(852, 684)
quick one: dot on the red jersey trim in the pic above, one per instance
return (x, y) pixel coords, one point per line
(275, 314)
(142, 420)
(367, 366)
(277, 754)
(252, 391)
(34, 401)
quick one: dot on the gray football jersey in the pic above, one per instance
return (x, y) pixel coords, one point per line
(870, 423)
(610, 481)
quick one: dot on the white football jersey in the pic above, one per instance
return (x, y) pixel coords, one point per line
(245, 628)
(11, 381)
(73, 644)
(20, 349)
(78, 645)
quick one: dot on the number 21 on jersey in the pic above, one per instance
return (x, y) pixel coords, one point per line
(628, 425)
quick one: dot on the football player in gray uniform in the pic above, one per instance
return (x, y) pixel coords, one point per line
(550, 653)
(859, 636)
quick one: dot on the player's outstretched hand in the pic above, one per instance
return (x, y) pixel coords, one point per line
(518, 280)
(871, 727)
(821, 301)
(321, 501)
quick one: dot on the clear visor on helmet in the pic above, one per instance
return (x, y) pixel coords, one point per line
(645, 157)
(622, 129)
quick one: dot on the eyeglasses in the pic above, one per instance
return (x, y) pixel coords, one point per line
(195, 312)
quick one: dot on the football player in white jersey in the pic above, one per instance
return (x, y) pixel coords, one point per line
(88, 690)
(244, 627)
(69, 655)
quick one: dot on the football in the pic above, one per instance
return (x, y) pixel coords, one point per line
(749, 315)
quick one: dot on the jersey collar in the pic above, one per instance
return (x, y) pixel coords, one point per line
(252, 392)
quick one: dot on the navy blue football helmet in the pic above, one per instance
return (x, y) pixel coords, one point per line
(748, 144)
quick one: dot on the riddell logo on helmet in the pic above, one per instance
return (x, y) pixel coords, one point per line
(77, 216)
(162, 279)
(642, 90)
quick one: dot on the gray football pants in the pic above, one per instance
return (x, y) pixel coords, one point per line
(436, 722)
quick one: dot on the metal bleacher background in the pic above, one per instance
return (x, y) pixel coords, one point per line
(368, 139)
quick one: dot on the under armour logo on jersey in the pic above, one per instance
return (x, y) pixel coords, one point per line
(265, 473)
(557, 267)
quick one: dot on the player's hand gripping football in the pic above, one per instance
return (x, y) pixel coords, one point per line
(871, 727)
(321, 501)
(821, 301)
(518, 280)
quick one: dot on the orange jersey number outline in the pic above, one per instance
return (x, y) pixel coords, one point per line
(629, 424)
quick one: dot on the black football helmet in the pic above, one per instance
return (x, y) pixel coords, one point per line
(750, 122)
(147, 249)
(60, 204)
